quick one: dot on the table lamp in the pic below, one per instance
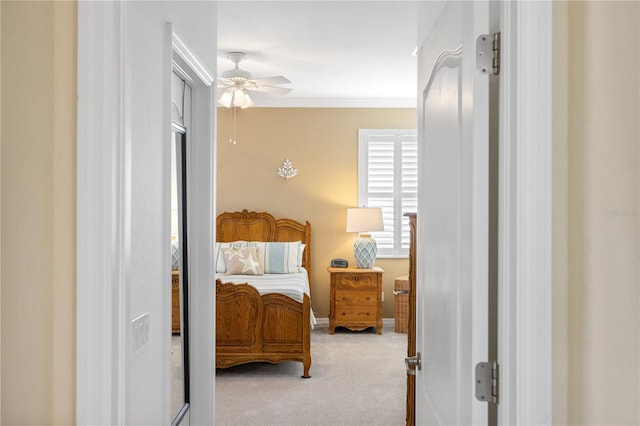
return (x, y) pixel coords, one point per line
(364, 220)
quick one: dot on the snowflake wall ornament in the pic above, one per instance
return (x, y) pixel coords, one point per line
(287, 171)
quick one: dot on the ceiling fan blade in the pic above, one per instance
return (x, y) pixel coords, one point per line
(270, 89)
(271, 80)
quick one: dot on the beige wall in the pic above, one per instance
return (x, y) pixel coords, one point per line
(322, 143)
(38, 212)
(601, 231)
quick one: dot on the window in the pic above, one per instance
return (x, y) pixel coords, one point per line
(388, 178)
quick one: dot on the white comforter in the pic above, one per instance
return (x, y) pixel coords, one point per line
(292, 285)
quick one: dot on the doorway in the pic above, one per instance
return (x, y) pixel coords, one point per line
(527, 221)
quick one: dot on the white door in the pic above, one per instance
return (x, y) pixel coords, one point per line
(452, 243)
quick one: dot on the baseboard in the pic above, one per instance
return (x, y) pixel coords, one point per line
(324, 322)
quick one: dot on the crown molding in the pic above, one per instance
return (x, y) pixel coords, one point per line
(287, 102)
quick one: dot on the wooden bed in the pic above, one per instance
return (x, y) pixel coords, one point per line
(269, 328)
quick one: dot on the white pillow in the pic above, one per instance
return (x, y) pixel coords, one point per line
(300, 257)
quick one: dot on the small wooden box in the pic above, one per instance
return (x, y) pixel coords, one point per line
(401, 305)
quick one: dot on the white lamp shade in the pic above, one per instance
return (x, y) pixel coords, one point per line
(365, 219)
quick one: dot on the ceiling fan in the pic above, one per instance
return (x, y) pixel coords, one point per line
(238, 81)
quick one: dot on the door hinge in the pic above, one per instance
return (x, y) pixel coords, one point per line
(488, 382)
(413, 362)
(488, 53)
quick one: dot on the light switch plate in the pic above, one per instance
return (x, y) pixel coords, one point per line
(139, 333)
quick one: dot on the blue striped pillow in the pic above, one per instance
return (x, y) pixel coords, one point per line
(280, 257)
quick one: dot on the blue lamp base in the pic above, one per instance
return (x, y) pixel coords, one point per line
(365, 250)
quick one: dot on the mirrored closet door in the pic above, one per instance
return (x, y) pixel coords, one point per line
(180, 113)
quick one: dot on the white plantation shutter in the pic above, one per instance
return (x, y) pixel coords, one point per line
(388, 178)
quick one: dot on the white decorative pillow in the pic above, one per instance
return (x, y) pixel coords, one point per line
(242, 261)
(219, 257)
(175, 255)
(302, 246)
(280, 257)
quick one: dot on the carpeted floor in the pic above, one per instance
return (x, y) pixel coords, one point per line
(358, 378)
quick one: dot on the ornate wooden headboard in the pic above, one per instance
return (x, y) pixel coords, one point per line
(255, 226)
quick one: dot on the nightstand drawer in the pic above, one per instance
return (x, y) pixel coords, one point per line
(356, 297)
(356, 314)
(352, 281)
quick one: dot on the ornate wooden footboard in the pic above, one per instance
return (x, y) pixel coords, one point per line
(269, 328)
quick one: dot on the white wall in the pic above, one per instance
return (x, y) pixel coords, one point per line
(124, 209)
(148, 284)
(428, 12)
(560, 213)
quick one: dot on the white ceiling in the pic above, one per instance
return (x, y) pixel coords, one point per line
(336, 53)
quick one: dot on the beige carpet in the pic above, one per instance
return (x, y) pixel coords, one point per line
(358, 378)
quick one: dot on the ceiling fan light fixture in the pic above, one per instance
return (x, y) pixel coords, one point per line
(236, 98)
(236, 73)
(238, 94)
(246, 102)
(226, 99)
(239, 82)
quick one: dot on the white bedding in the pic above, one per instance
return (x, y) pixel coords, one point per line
(293, 285)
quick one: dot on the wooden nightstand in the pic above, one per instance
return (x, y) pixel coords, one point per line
(175, 302)
(356, 298)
